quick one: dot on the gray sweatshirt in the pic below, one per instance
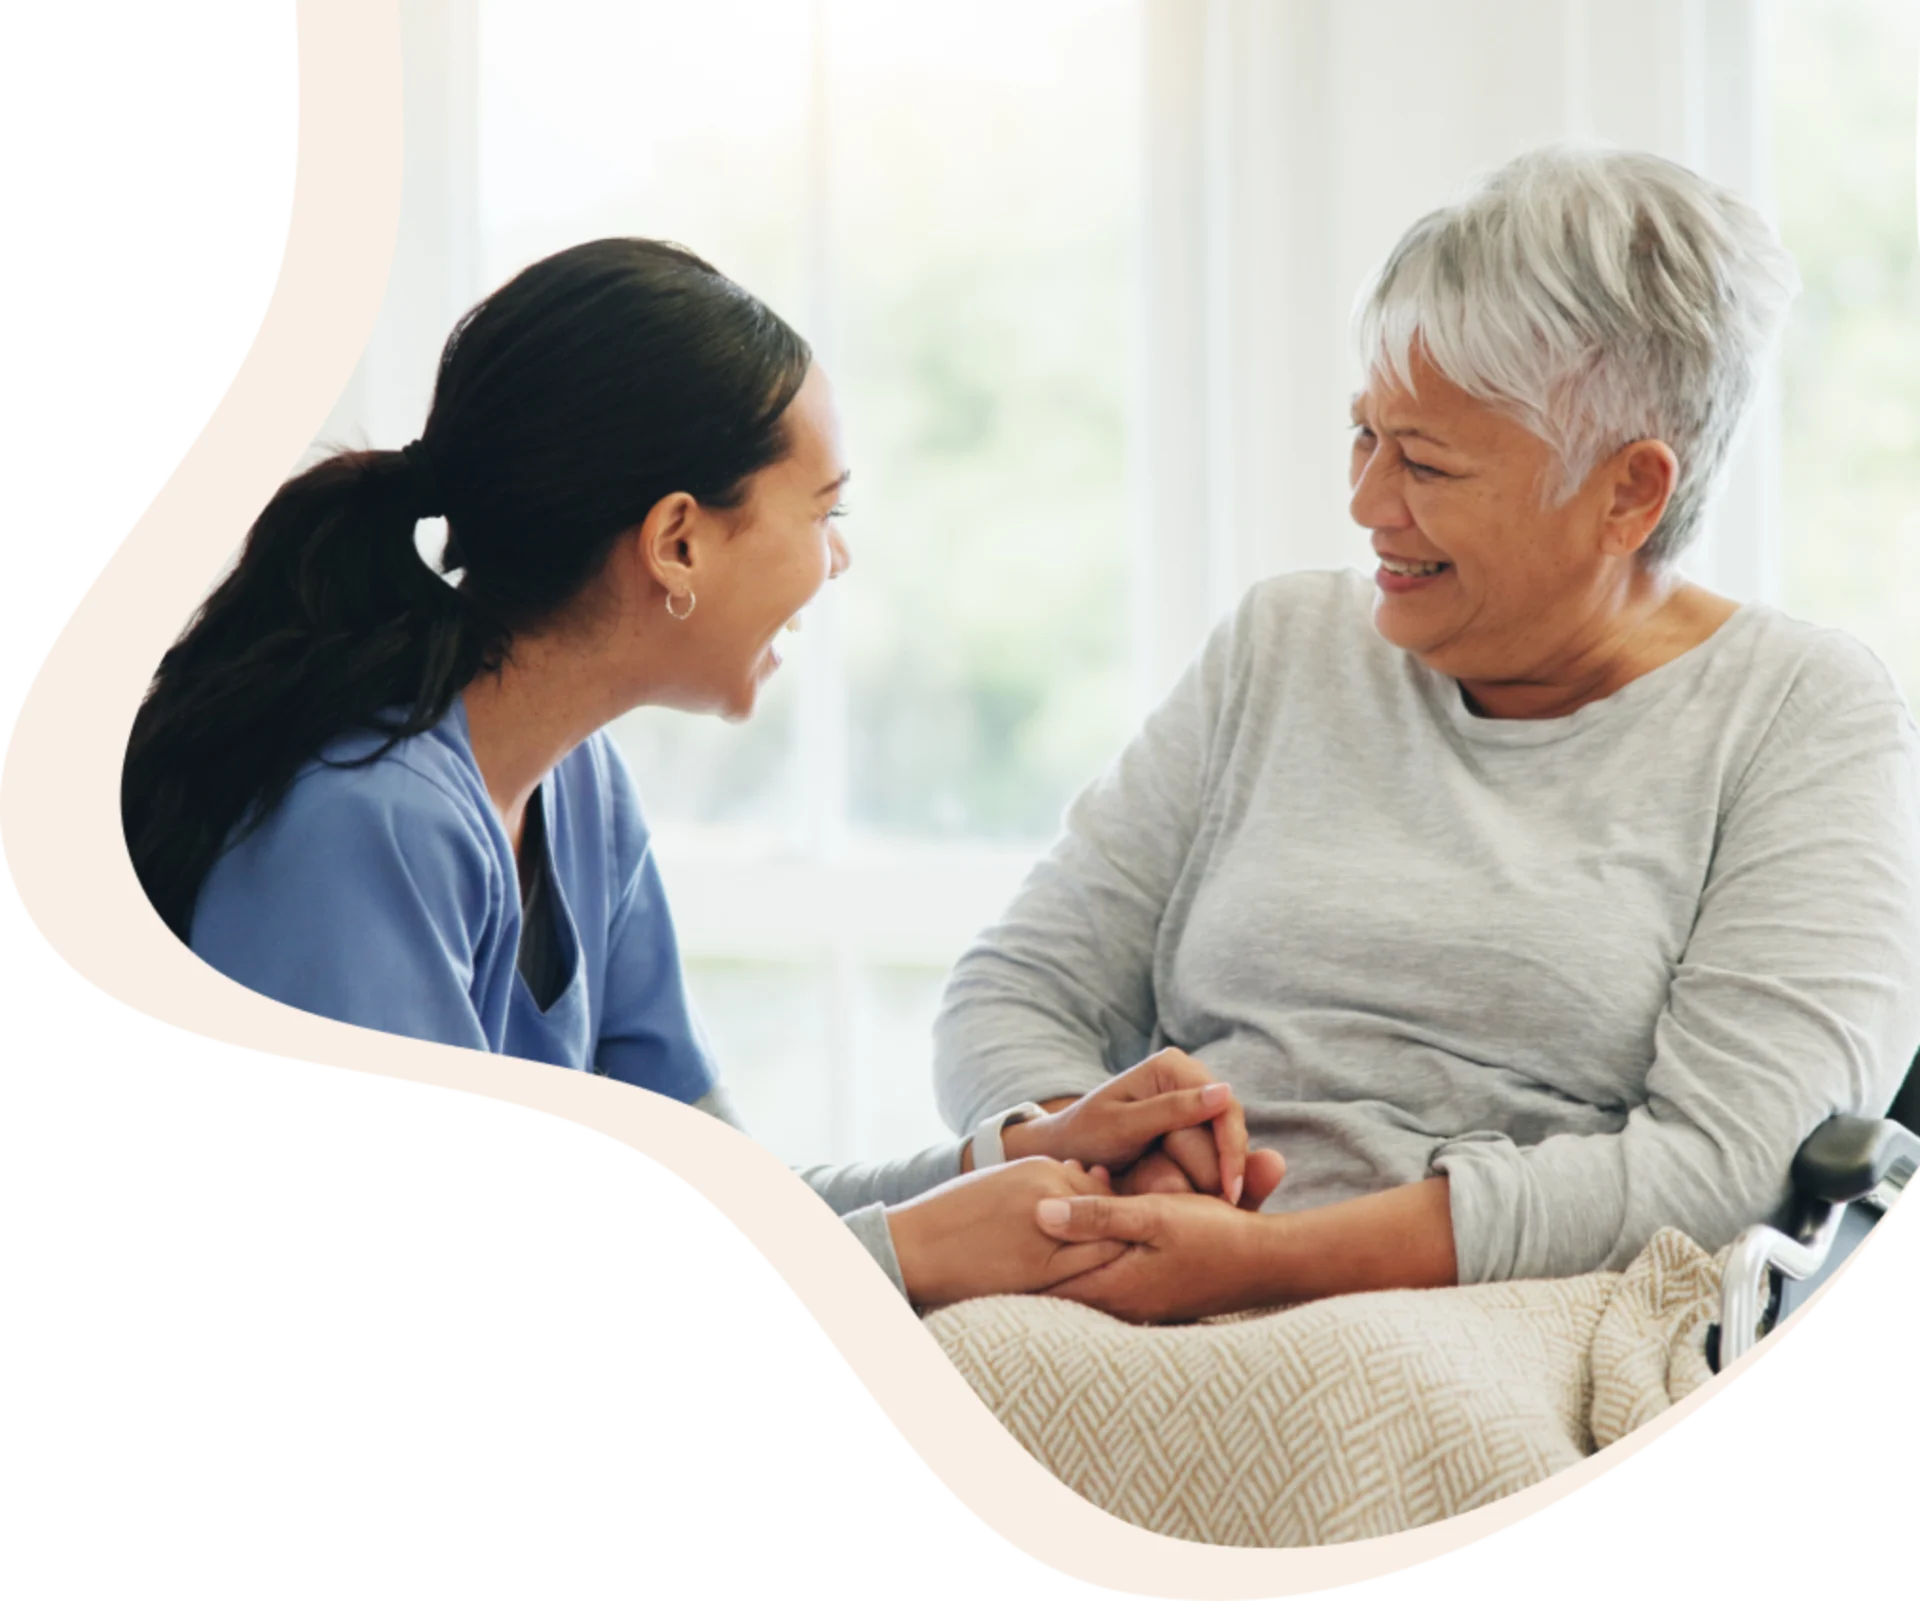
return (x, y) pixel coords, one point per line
(1604, 971)
(861, 1192)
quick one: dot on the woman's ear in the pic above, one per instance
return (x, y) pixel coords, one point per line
(1643, 475)
(667, 541)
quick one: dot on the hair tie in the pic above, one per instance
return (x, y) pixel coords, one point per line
(427, 501)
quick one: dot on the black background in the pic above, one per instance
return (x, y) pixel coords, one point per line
(461, 1302)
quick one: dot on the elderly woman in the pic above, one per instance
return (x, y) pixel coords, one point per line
(1530, 896)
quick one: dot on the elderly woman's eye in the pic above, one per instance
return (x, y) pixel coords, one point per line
(1422, 471)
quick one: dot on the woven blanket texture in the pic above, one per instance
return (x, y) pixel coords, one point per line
(1341, 1419)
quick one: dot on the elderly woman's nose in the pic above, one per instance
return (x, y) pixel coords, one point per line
(1376, 502)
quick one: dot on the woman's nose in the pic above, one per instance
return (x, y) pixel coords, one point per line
(837, 548)
(1377, 502)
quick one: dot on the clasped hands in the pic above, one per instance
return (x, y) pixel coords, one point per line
(1139, 1198)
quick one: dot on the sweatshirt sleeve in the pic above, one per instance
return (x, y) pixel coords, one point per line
(857, 1184)
(1060, 992)
(861, 1193)
(1798, 997)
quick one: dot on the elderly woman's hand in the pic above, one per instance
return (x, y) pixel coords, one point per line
(1169, 1095)
(976, 1235)
(1189, 1256)
(1192, 1256)
(1184, 1163)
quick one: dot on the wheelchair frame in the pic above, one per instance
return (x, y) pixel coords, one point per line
(1846, 1175)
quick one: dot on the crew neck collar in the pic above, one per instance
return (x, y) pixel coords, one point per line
(1669, 677)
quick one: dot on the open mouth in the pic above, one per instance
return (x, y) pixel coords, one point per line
(790, 626)
(1396, 576)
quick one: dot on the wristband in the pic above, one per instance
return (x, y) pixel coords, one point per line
(987, 1148)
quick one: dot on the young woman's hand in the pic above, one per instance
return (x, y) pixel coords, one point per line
(1168, 1095)
(976, 1235)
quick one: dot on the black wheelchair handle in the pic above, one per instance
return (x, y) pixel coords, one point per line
(1848, 1158)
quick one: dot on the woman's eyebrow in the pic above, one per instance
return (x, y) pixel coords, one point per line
(833, 488)
(1360, 421)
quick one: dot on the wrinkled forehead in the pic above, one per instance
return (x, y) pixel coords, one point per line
(1396, 416)
(1434, 410)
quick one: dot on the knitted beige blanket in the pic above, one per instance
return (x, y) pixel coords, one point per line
(1346, 1418)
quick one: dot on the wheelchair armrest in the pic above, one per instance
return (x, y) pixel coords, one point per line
(1844, 1160)
(1847, 1158)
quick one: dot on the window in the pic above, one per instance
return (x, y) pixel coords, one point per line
(1843, 90)
(942, 200)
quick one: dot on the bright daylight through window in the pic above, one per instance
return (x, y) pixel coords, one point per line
(942, 200)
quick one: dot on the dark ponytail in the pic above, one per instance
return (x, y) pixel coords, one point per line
(567, 404)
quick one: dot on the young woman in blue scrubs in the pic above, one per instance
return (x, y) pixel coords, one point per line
(385, 794)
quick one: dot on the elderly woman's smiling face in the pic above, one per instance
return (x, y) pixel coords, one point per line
(1482, 575)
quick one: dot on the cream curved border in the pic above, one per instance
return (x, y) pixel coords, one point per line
(60, 789)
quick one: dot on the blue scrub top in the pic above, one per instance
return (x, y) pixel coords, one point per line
(388, 896)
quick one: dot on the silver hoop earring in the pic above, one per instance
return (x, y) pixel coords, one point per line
(680, 616)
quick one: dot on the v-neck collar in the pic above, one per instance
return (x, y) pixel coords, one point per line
(561, 930)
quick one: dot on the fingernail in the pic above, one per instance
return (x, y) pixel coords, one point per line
(1054, 1211)
(1215, 1095)
(1234, 1189)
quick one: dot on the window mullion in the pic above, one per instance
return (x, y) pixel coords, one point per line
(820, 750)
(821, 735)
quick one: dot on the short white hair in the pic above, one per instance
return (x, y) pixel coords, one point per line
(1597, 297)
